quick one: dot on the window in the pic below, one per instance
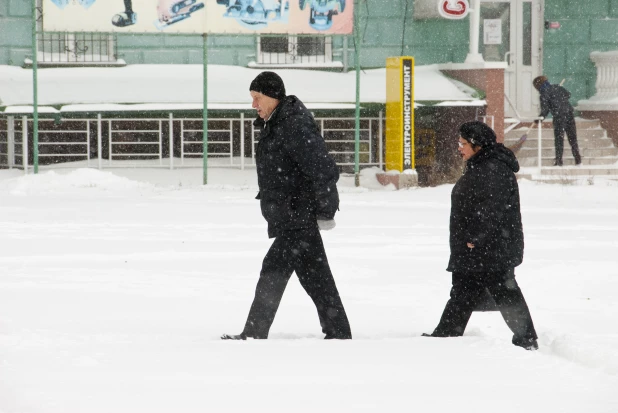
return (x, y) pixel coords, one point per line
(295, 50)
(74, 48)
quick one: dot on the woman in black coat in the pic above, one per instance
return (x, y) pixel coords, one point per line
(486, 237)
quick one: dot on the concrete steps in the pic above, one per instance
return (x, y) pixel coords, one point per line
(599, 155)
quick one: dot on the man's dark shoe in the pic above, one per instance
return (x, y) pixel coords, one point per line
(578, 160)
(558, 162)
(533, 346)
(528, 343)
(240, 336)
(338, 337)
(441, 334)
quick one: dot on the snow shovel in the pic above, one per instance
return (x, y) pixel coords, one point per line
(517, 145)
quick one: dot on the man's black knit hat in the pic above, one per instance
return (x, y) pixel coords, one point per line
(478, 133)
(269, 84)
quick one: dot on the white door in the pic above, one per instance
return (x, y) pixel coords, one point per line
(510, 32)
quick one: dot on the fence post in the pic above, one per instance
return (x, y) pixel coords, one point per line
(160, 142)
(242, 141)
(345, 54)
(253, 143)
(10, 153)
(99, 143)
(231, 142)
(540, 148)
(380, 140)
(24, 144)
(109, 141)
(88, 143)
(182, 142)
(171, 130)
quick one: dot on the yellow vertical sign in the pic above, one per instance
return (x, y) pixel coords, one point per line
(399, 113)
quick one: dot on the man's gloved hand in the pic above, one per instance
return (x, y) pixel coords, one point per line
(326, 224)
(537, 121)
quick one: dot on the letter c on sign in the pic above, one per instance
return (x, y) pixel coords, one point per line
(453, 9)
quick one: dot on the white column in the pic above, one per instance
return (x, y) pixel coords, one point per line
(475, 17)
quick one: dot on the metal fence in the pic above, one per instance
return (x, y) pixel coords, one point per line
(5, 145)
(132, 139)
(149, 142)
(296, 50)
(76, 48)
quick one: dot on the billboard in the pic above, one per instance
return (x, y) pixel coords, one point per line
(199, 16)
(400, 113)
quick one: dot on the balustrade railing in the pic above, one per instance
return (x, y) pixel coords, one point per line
(606, 95)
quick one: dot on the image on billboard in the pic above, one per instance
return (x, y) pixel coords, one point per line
(199, 16)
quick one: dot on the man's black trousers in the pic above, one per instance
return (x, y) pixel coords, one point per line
(469, 290)
(300, 251)
(562, 125)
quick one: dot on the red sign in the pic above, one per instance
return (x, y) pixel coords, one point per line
(453, 9)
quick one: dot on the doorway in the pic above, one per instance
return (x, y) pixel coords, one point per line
(510, 32)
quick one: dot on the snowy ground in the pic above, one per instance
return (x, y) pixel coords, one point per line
(115, 287)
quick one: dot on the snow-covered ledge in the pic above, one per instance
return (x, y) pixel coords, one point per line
(606, 97)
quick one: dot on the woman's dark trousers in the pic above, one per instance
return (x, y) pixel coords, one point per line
(469, 290)
(301, 251)
(562, 125)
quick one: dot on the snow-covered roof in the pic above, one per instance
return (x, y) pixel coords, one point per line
(179, 87)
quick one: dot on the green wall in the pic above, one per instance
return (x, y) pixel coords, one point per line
(387, 28)
(15, 31)
(585, 26)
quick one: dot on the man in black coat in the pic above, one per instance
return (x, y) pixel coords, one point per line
(486, 237)
(555, 99)
(298, 196)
